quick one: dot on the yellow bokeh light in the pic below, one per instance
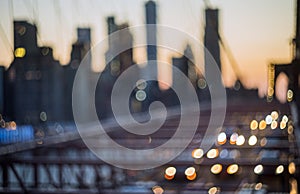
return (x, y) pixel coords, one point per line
(170, 171)
(20, 52)
(262, 125)
(279, 169)
(197, 153)
(240, 140)
(213, 190)
(222, 138)
(289, 95)
(216, 169)
(285, 118)
(232, 169)
(190, 173)
(213, 153)
(274, 115)
(157, 190)
(292, 168)
(233, 138)
(258, 186)
(258, 169)
(274, 125)
(253, 125)
(282, 125)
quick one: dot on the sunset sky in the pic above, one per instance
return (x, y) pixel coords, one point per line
(258, 32)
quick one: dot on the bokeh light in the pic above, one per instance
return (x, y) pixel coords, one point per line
(274, 125)
(262, 125)
(197, 153)
(253, 125)
(240, 140)
(279, 169)
(258, 169)
(252, 140)
(157, 190)
(292, 168)
(190, 173)
(268, 119)
(222, 138)
(213, 190)
(216, 169)
(212, 153)
(232, 169)
(233, 138)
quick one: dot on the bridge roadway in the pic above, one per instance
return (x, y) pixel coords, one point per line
(62, 163)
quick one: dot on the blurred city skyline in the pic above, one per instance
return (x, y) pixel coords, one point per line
(257, 32)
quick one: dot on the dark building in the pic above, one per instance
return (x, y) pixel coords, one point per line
(33, 92)
(25, 36)
(192, 73)
(181, 64)
(24, 74)
(52, 88)
(115, 65)
(211, 37)
(185, 65)
(151, 30)
(123, 39)
(2, 70)
(37, 88)
(79, 50)
(150, 71)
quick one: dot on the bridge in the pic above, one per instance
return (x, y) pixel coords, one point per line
(62, 163)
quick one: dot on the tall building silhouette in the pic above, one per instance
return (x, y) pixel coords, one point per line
(38, 88)
(123, 39)
(117, 61)
(211, 38)
(151, 30)
(183, 64)
(24, 76)
(150, 71)
(79, 50)
(52, 94)
(32, 89)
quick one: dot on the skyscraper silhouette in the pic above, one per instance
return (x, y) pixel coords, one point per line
(150, 71)
(211, 38)
(151, 30)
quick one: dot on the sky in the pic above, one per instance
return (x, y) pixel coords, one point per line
(258, 32)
